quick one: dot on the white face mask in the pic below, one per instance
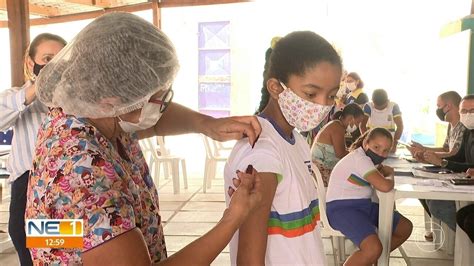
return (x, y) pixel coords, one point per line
(351, 86)
(468, 120)
(300, 113)
(149, 116)
(351, 128)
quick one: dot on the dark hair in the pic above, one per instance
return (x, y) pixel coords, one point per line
(371, 134)
(452, 97)
(293, 55)
(32, 49)
(298, 51)
(468, 97)
(265, 95)
(379, 97)
(350, 109)
(362, 99)
(356, 76)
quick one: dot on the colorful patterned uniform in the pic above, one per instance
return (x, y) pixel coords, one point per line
(78, 174)
(293, 235)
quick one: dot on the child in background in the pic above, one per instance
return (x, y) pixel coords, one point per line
(302, 81)
(349, 206)
(330, 144)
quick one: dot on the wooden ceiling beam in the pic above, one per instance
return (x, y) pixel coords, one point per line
(81, 2)
(37, 9)
(181, 3)
(100, 3)
(84, 15)
(128, 8)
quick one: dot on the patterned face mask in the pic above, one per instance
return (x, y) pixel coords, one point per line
(300, 113)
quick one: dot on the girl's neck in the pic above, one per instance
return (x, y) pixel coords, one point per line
(272, 111)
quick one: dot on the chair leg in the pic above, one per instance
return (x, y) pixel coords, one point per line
(342, 249)
(336, 250)
(404, 255)
(157, 171)
(175, 175)
(185, 175)
(206, 174)
(211, 173)
(166, 169)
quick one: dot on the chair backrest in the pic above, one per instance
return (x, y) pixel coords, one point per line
(321, 198)
(161, 146)
(149, 148)
(207, 146)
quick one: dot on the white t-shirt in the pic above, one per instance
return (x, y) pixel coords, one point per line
(382, 118)
(347, 179)
(293, 235)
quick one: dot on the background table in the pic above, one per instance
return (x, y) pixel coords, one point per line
(407, 187)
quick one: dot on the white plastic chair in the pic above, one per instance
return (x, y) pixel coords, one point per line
(154, 161)
(213, 156)
(337, 238)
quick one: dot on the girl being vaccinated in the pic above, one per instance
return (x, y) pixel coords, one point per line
(301, 82)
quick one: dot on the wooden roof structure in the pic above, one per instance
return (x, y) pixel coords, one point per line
(19, 15)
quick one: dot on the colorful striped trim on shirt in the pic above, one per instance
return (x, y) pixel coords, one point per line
(296, 223)
(353, 179)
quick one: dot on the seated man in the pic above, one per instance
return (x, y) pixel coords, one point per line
(460, 162)
(381, 112)
(448, 110)
(464, 158)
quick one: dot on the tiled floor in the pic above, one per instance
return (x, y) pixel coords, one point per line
(191, 213)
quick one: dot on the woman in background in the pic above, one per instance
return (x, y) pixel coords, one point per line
(20, 110)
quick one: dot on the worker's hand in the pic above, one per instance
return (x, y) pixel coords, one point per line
(246, 195)
(234, 127)
(30, 94)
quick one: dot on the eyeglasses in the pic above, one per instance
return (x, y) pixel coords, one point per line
(165, 101)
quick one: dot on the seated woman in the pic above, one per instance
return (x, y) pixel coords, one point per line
(329, 146)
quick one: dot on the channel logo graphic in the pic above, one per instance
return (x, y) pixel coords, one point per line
(54, 233)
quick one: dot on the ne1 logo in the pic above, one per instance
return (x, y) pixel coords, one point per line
(54, 233)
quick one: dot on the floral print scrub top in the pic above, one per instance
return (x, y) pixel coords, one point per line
(78, 174)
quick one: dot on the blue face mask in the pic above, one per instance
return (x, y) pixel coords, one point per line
(376, 159)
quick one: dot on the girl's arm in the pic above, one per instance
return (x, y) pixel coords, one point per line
(363, 124)
(379, 181)
(338, 142)
(253, 232)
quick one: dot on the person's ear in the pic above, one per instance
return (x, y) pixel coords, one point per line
(30, 63)
(364, 144)
(274, 87)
